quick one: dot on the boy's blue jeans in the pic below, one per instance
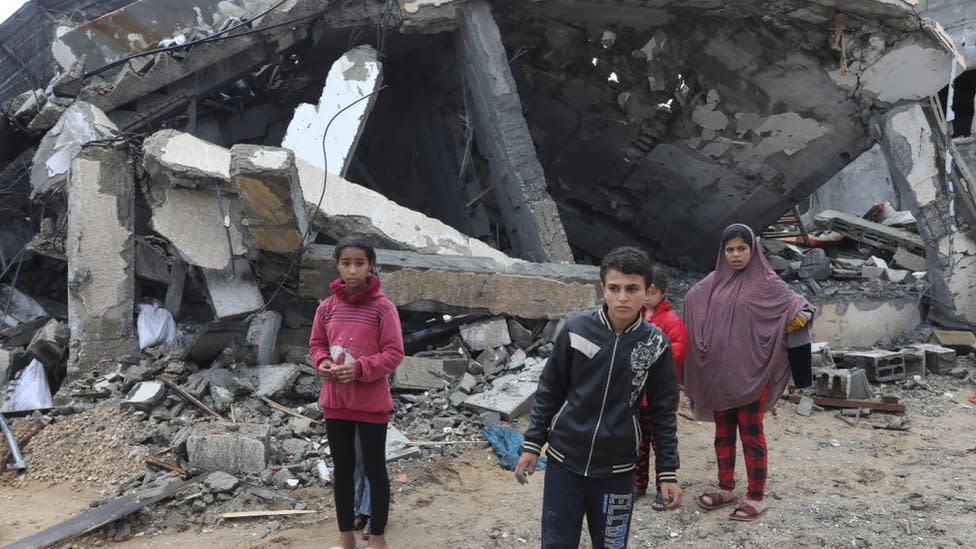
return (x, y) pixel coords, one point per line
(360, 482)
(567, 497)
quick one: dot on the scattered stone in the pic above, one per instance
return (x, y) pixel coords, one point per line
(415, 373)
(219, 481)
(805, 407)
(815, 265)
(468, 383)
(262, 335)
(229, 447)
(273, 380)
(520, 335)
(146, 395)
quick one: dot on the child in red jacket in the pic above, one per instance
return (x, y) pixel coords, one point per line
(355, 345)
(658, 312)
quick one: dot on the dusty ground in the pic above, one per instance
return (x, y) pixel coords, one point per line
(831, 485)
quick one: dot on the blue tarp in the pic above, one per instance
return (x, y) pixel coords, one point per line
(507, 444)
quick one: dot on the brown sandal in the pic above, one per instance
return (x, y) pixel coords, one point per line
(718, 500)
(747, 512)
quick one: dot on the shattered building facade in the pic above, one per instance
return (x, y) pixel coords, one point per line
(192, 162)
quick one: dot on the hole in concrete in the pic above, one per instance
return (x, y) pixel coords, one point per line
(962, 103)
(845, 156)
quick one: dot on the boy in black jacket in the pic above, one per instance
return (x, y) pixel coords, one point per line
(586, 411)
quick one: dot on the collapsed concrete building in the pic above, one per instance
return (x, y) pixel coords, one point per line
(504, 139)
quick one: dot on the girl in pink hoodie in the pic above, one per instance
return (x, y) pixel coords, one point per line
(355, 345)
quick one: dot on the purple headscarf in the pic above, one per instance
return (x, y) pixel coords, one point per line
(736, 329)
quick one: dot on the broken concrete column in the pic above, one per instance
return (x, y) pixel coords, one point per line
(79, 124)
(262, 335)
(530, 215)
(443, 283)
(267, 181)
(950, 254)
(179, 159)
(352, 77)
(100, 247)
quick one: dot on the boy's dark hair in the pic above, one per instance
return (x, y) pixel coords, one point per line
(355, 241)
(628, 260)
(661, 280)
(737, 230)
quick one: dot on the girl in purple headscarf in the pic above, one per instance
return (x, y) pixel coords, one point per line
(741, 320)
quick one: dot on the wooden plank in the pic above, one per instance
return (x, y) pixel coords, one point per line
(282, 512)
(893, 407)
(90, 521)
(284, 409)
(151, 460)
(186, 395)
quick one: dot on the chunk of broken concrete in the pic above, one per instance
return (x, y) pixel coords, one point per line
(815, 265)
(48, 116)
(274, 209)
(233, 294)
(179, 159)
(262, 336)
(146, 395)
(486, 335)
(416, 373)
(219, 482)
(229, 447)
(50, 344)
(23, 316)
(511, 397)
(79, 124)
(204, 229)
(275, 380)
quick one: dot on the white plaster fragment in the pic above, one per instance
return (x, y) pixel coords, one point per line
(909, 71)
(415, 5)
(354, 75)
(185, 150)
(81, 123)
(270, 159)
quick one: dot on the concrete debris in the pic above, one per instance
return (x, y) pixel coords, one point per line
(48, 116)
(22, 316)
(419, 374)
(353, 77)
(847, 384)
(79, 124)
(145, 395)
(880, 366)
(273, 380)
(868, 232)
(262, 336)
(490, 334)
(50, 344)
(233, 292)
(203, 227)
(179, 159)
(274, 212)
(962, 341)
(815, 265)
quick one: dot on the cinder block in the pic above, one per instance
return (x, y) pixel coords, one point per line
(229, 447)
(938, 359)
(914, 361)
(846, 384)
(879, 366)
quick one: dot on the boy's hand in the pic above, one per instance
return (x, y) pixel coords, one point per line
(324, 369)
(525, 467)
(671, 493)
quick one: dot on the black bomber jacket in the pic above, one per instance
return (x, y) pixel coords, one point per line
(589, 396)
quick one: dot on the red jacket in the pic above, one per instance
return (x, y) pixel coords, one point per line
(671, 324)
(362, 329)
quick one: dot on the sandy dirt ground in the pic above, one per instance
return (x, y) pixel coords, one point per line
(831, 485)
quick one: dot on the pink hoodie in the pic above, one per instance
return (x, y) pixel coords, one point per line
(362, 329)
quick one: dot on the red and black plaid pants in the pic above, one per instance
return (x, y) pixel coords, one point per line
(642, 473)
(748, 420)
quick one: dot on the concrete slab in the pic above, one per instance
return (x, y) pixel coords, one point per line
(274, 212)
(233, 295)
(262, 336)
(192, 221)
(419, 374)
(79, 124)
(355, 75)
(101, 277)
(962, 341)
(231, 448)
(179, 159)
(50, 344)
(453, 284)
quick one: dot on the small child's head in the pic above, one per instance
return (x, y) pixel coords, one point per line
(356, 260)
(658, 290)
